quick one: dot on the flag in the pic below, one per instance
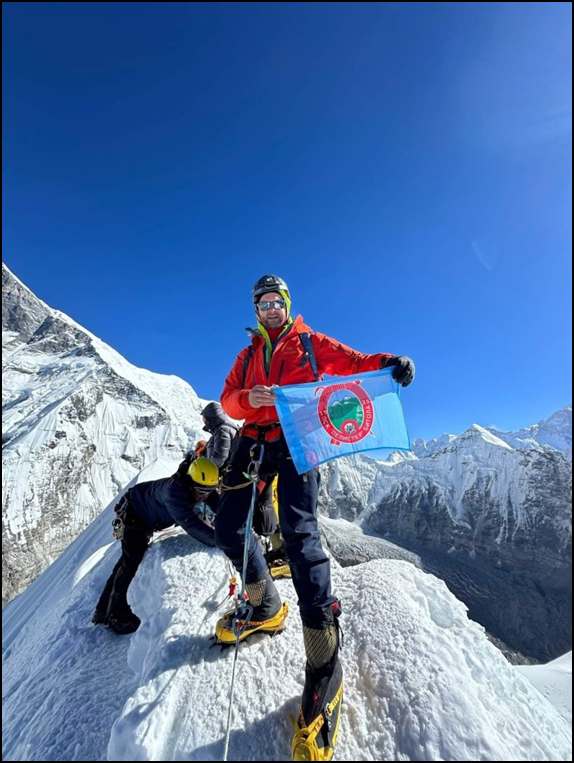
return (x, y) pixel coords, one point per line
(340, 415)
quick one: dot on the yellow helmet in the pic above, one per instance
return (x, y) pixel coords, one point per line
(204, 472)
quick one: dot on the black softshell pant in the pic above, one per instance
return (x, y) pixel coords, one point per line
(297, 494)
(134, 544)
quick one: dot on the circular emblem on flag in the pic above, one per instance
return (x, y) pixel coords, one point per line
(345, 412)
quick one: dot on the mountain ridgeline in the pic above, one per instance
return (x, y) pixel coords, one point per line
(494, 521)
(79, 423)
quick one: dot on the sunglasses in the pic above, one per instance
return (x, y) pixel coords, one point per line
(277, 304)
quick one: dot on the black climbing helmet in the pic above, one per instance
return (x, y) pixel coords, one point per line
(268, 283)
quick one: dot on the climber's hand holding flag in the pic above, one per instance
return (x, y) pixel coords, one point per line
(403, 371)
(261, 395)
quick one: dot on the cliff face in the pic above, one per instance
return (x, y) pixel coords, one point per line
(79, 423)
(494, 521)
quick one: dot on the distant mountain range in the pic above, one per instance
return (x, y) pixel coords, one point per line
(492, 515)
(554, 432)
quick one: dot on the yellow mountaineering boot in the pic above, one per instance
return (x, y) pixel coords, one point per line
(279, 568)
(277, 562)
(268, 615)
(275, 553)
(317, 728)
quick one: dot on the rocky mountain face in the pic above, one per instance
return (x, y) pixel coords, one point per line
(79, 423)
(493, 519)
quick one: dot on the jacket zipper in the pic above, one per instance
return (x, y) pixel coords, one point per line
(279, 343)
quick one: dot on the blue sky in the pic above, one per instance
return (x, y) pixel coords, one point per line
(405, 167)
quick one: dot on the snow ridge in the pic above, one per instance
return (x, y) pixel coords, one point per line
(422, 680)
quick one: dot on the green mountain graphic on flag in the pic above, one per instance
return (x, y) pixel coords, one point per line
(341, 411)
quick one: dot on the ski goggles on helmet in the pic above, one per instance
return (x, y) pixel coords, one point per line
(271, 304)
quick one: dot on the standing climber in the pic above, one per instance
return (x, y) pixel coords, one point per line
(285, 351)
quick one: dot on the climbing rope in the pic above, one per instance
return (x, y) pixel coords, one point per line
(243, 610)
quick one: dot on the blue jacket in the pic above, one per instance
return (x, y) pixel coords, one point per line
(170, 501)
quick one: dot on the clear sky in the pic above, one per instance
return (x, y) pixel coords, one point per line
(406, 167)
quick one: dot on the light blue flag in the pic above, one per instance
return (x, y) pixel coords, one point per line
(340, 415)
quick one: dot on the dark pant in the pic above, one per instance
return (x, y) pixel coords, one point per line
(265, 518)
(297, 495)
(134, 544)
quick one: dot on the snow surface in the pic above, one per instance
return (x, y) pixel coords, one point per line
(422, 680)
(554, 681)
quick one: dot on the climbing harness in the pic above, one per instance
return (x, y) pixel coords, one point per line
(119, 523)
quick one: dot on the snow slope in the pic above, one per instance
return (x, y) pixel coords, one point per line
(422, 680)
(554, 681)
(78, 423)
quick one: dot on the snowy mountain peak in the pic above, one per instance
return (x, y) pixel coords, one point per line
(474, 502)
(79, 422)
(555, 432)
(22, 311)
(478, 432)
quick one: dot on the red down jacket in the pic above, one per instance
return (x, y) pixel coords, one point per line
(289, 367)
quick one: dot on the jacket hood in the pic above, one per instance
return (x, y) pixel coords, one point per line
(215, 416)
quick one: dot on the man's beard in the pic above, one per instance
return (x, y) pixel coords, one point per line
(274, 323)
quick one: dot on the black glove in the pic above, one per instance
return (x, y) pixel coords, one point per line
(184, 466)
(403, 371)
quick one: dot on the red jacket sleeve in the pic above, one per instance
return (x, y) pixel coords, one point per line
(234, 399)
(336, 358)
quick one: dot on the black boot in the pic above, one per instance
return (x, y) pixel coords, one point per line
(99, 616)
(126, 622)
(318, 724)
